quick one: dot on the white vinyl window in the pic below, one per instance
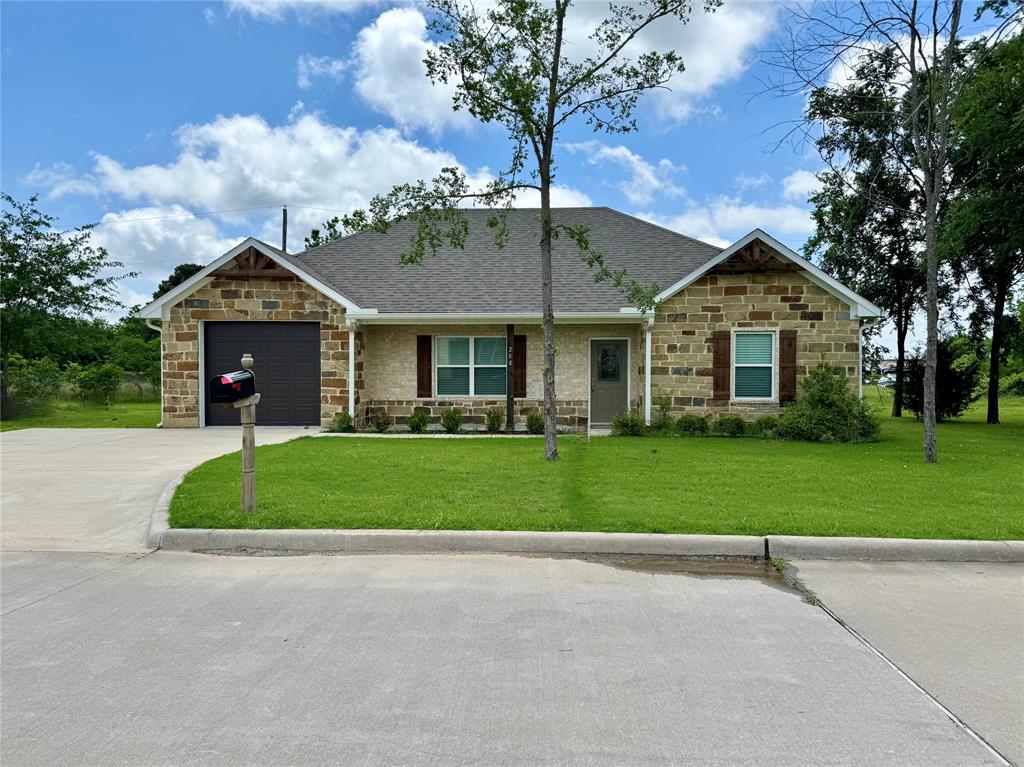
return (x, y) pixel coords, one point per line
(753, 365)
(472, 366)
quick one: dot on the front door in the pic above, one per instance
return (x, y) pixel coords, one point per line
(609, 380)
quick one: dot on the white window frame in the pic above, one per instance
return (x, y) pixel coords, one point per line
(774, 332)
(472, 368)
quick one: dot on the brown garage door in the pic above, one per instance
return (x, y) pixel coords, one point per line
(287, 369)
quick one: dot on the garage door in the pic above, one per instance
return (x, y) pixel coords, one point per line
(287, 369)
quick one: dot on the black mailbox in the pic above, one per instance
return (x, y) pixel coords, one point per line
(232, 387)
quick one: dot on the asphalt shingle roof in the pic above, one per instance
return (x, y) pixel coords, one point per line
(365, 267)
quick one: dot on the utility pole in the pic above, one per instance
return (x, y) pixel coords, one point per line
(284, 229)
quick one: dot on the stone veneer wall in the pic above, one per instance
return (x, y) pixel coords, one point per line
(390, 370)
(253, 299)
(681, 353)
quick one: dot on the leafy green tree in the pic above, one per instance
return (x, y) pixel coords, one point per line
(512, 65)
(983, 230)
(46, 275)
(330, 230)
(867, 214)
(181, 273)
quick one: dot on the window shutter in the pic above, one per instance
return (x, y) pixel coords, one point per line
(519, 366)
(787, 365)
(721, 362)
(424, 364)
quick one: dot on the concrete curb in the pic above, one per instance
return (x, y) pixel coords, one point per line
(159, 520)
(423, 541)
(894, 549)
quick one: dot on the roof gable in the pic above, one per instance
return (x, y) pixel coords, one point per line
(758, 251)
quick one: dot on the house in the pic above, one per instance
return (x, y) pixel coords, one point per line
(345, 326)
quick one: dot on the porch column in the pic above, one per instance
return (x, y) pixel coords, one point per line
(647, 370)
(351, 326)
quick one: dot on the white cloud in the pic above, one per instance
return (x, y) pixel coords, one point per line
(799, 185)
(746, 182)
(209, 14)
(58, 179)
(310, 68)
(305, 10)
(645, 181)
(723, 220)
(391, 77)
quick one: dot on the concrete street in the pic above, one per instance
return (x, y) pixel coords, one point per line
(179, 658)
(955, 628)
(94, 489)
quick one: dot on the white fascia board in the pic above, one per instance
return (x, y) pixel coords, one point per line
(483, 318)
(154, 310)
(859, 306)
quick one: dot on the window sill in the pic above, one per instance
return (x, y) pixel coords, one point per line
(753, 401)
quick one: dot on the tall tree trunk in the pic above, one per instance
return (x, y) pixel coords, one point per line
(931, 451)
(993, 362)
(550, 405)
(902, 325)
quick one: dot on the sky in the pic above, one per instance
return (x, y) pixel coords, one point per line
(183, 127)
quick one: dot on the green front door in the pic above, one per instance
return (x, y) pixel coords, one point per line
(609, 380)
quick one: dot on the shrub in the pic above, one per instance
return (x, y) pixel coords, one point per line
(664, 423)
(690, 425)
(494, 419)
(31, 384)
(535, 423)
(451, 420)
(629, 423)
(1012, 384)
(957, 375)
(342, 422)
(417, 422)
(99, 383)
(729, 426)
(380, 421)
(767, 427)
(828, 411)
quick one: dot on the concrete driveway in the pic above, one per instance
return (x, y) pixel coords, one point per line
(93, 489)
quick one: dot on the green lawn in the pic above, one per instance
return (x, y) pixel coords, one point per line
(87, 415)
(669, 485)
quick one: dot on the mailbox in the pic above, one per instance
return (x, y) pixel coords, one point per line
(232, 387)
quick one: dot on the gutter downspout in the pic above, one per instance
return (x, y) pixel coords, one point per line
(647, 370)
(159, 329)
(351, 325)
(860, 360)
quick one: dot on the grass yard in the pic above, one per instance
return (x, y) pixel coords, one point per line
(86, 415)
(664, 485)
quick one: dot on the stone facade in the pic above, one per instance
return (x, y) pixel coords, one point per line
(255, 299)
(681, 352)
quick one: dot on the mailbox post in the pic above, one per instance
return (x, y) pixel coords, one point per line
(238, 390)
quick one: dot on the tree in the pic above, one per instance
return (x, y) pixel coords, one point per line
(983, 230)
(867, 213)
(824, 39)
(332, 229)
(46, 275)
(181, 273)
(510, 64)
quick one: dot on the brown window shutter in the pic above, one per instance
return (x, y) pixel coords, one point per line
(424, 365)
(721, 341)
(787, 365)
(519, 366)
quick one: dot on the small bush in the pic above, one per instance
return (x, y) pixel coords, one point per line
(380, 421)
(535, 423)
(729, 426)
(494, 419)
(691, 425)
(451, 420)
(767, 427)
(417, 422)
(629, 423)
(828, 411)
(1012, 384)
(342, 423)
(957, 377)
(99, 383)
(664, 423)
(31, 384)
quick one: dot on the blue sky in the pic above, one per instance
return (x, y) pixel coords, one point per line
(148, 116)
